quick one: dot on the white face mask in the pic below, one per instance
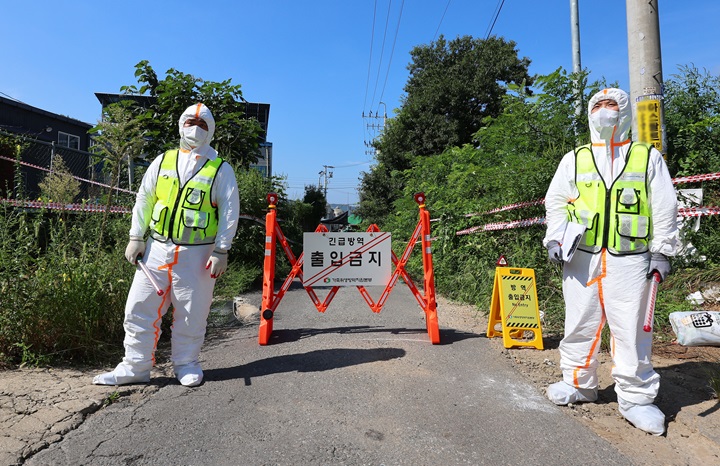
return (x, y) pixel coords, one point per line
(195, 136)
(603, 121)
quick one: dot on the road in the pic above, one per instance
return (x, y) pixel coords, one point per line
(344, 387)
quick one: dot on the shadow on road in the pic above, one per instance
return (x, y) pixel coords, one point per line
(312, 361)
(447, 336)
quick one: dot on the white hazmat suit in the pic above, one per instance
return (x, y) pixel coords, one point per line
(603, 287)
(186, 273)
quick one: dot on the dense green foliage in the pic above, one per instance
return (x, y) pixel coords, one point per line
(453, 87)
(315, 198)
(61, 297)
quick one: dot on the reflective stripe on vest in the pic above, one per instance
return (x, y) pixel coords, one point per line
(617, 218)
(190, 217)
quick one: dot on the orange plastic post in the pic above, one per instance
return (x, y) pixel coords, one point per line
(266, 314)
(431, 319)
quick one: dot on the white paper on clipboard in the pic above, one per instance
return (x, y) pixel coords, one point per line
(571, 240)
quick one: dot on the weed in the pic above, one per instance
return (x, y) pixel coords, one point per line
(112, 398)
(714, 382)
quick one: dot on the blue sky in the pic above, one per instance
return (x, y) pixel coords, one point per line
(316, 62)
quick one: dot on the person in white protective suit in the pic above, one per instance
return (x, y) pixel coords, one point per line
(188, 201)
(622, 193)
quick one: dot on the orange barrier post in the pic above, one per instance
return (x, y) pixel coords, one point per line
(266, 316)
(430, 308)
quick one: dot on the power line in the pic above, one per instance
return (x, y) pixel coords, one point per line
(12, 98)
(382, 51)
(372, 39)
(497, 13)
(441, 20)
(392, 51)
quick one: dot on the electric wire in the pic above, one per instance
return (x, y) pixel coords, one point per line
(372, 39)
(12, 98)
(392, 52)
(382, 51)
(441, 20)
(497, 13)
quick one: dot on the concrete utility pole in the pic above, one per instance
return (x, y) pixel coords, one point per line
(375, 128)
(645, 65)
(326, 173)
(577, 67)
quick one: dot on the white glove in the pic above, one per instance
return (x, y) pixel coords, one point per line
(135, 248)
(660, 263)
(217, 263)
(554, 252)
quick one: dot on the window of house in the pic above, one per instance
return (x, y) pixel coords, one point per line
(68, 140)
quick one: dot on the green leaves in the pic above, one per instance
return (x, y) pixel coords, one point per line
(452, 88)
(236, 137)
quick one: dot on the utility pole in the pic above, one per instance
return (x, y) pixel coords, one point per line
(645, 65)
(577, 67)
(375, 128)
(326, 173)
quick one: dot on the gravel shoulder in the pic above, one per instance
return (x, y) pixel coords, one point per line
(690, 407)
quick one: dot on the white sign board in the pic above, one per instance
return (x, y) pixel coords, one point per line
(347, 259)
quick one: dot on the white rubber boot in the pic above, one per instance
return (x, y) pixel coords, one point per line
(648, 418)
(123, 374)
(189, 375)
(562, 393)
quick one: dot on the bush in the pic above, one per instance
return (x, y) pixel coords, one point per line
(61, 298)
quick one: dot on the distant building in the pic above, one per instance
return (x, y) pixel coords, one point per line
(24, 119)
(260, 112)
(56, 134)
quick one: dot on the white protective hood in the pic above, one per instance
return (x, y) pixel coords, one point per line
(198, 110)
(625, 114)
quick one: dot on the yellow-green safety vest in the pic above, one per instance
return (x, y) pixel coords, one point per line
(189, 218)
(618, 218)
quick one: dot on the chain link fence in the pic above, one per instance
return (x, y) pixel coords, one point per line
(37, 160)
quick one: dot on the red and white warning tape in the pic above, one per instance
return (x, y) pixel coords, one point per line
(698, 211)
(695, 178)
(682, 212)
(503, 225)
(518, 205)
(71, 207)
(38, 167)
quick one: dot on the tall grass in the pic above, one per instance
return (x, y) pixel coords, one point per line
(61, 297)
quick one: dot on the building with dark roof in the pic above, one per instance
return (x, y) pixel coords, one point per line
(51, 134)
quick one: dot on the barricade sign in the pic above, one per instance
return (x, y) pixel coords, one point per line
(514, 306)
(362, 259)
(347, 259)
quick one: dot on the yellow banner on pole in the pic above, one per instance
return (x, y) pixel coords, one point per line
(649, 119)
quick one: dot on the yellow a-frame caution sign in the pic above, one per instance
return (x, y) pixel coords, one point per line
(514, 305)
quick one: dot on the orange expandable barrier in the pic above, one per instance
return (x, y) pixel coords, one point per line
(271, 300)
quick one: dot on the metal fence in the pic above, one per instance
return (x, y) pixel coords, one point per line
(38, 158)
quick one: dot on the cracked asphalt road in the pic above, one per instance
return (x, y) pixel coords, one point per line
(344, 387)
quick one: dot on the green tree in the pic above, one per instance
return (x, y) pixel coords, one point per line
(118, 138)
(692, 118)
(453, 86)
(317, 203)
(236, 137)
